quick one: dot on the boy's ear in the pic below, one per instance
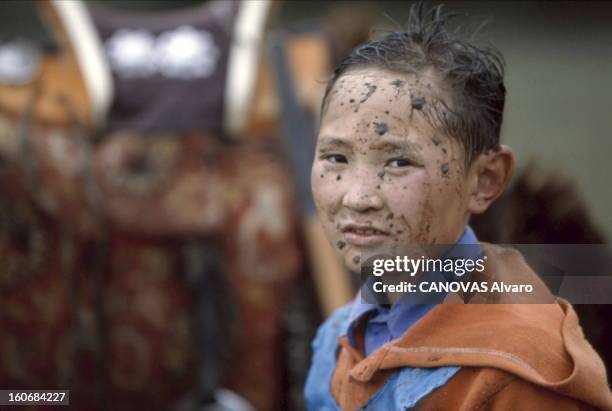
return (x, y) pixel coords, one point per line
(490, 173)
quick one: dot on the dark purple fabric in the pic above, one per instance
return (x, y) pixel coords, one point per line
(147, 99)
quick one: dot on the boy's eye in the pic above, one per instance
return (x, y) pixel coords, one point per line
(398, 163)
(336, 158)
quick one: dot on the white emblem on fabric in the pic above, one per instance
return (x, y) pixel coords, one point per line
(19, 62)
(130, 53)
(182, 53)
(186, 53)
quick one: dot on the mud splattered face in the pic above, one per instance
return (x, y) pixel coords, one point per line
(382, 175)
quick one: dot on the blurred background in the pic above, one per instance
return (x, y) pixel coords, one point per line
(158, 244)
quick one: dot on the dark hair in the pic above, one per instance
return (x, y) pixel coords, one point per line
(474, 75)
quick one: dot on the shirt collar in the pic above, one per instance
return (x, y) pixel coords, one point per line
(467, 246)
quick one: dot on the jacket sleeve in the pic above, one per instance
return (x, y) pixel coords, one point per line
(489, 389)
(521, 395)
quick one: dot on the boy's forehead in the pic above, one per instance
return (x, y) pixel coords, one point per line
(391, 93)
(367, 94)
(358, 80)
(372, 105)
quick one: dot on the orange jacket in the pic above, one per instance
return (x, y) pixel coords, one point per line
(512, 356)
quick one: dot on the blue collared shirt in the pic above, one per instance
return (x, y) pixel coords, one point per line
(385, 324)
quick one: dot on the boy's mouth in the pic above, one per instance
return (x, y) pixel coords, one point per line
(363, 234)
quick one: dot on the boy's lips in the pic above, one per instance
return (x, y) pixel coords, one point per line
(363, 234)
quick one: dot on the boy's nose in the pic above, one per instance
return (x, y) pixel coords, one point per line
(359, 197)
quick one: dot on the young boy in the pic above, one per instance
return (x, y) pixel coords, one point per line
(408, 149)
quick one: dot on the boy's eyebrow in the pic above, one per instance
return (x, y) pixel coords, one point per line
(391, 145)
(334, 141)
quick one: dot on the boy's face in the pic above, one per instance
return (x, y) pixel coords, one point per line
(383, 176)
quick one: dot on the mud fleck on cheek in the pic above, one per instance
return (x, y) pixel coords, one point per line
(444, 169)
